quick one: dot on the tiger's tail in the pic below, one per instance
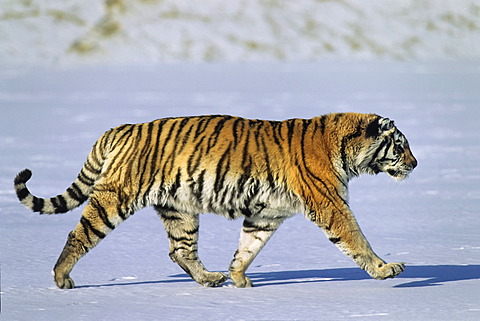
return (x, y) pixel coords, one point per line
(74, 196)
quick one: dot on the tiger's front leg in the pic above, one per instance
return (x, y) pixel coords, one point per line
(182, 231)
(253, 237)
(344, 232)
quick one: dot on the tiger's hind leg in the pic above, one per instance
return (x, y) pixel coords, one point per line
(253, 237)
(100, 216)
(182, 231)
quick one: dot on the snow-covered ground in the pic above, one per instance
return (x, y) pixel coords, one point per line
(52, 32)
(49, 119)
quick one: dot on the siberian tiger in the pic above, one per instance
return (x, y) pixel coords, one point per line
(263, 171)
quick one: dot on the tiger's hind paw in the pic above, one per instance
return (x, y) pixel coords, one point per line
(240, 280)
(388, 271)
(213, 279)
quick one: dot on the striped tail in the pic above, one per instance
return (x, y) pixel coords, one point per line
(73, 197)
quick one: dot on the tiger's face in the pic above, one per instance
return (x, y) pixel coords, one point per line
(389, 152)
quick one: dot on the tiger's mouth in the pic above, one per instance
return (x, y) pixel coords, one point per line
(392, 172)
(398, 175)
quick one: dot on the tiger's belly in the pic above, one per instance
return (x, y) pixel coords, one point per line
(258, 199)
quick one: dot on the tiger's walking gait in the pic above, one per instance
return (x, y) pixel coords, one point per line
(263, 171)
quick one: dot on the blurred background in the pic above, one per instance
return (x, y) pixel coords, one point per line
(133, 32)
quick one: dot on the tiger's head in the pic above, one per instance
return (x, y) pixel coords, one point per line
(388, 150)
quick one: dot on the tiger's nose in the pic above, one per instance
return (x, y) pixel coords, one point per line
(414, 163)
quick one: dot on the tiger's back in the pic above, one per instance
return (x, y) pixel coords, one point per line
(264, 171)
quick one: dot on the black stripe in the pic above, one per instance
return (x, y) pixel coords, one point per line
(186, 136)
(75, 192)
(124, 146)
(246, 212)
(183, 123)
(87, 226)
(155, 153)
(55, 205)
(178, 181)
(59, 204)
(250, 227)
(200, 128)
(91, 168)
(82, 177)
(276, 134)
(174, 151)
(322, 124)
(270, 179)
(387, 148)
(198, 192)
(132, 152)
(377, 151)
(373, 129)
(335, 240)
(195, 158)
(291, 131)
(142, 168)
(102, 213)
(222, 166)
(22, 193)
(167, 217)
(212, 140)
(38, 204)
(246, 165)
(166, 158)
(337, 117)
(203, 124)
(258, 127)
(125, 134)
(279, 127)
(153, 163)
(246, 153)
(95, 158)
(186, 241)
(121, 213)
(236, 130)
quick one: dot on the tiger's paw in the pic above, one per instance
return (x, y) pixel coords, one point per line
(240, 280)
(387, 271)
(65, 282)
(213, 279)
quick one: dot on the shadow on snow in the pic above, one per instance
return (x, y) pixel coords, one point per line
(429, 275)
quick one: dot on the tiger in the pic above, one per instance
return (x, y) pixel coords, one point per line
(263, 171)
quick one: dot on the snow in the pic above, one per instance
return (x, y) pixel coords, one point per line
(73, 32)
(49, 118)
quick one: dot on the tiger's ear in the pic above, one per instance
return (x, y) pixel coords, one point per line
(379, 126)
(386, 124)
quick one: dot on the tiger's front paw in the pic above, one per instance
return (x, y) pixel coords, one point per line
(387, 271)
(63, 282)
(240, 280)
